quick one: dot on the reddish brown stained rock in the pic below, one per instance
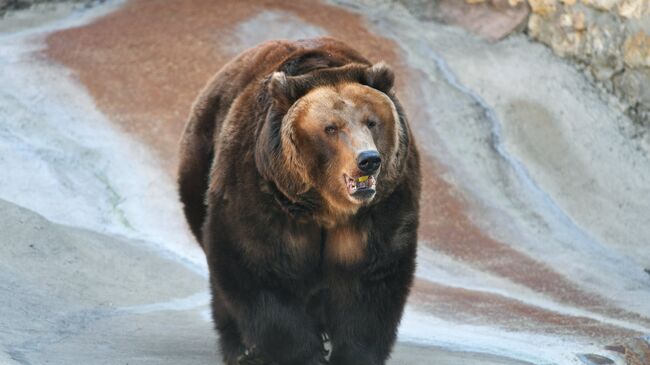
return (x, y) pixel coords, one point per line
(480, 308)
(637, 351)
(145, 63)
(492, 20)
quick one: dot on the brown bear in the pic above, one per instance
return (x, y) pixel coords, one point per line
(300, 178)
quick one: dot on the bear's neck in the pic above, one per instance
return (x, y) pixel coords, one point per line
(310, 206)
(305, 207)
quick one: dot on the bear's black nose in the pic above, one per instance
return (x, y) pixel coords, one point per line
(369, 161)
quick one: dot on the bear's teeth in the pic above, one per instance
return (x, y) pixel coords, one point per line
(352, 186)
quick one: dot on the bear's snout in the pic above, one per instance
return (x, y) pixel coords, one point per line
(369, 161)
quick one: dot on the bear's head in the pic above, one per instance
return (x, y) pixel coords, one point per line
(336, 132)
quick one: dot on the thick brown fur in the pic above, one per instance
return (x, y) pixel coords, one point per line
(291, 255)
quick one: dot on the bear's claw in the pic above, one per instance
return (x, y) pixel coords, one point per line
(252, 357)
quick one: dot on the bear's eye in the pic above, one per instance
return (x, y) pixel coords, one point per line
(330, 129)
(372, 123)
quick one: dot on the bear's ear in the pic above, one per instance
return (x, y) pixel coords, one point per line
(279, 85)
(284, 88)
(380, 76)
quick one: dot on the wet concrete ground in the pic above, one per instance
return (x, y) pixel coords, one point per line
(533, 216)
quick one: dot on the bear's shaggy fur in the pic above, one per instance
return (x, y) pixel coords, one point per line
(268, 177)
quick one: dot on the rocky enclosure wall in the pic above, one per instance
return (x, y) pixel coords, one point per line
(610, 38)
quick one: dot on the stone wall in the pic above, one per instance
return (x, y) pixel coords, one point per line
(609, 38)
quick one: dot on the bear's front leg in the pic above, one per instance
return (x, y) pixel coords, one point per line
(280, 330)
(259, 292)
(364, 312)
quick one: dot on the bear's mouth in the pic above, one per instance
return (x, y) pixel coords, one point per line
(361, 187)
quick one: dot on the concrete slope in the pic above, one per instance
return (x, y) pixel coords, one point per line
(72, 296)
(534, 215)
